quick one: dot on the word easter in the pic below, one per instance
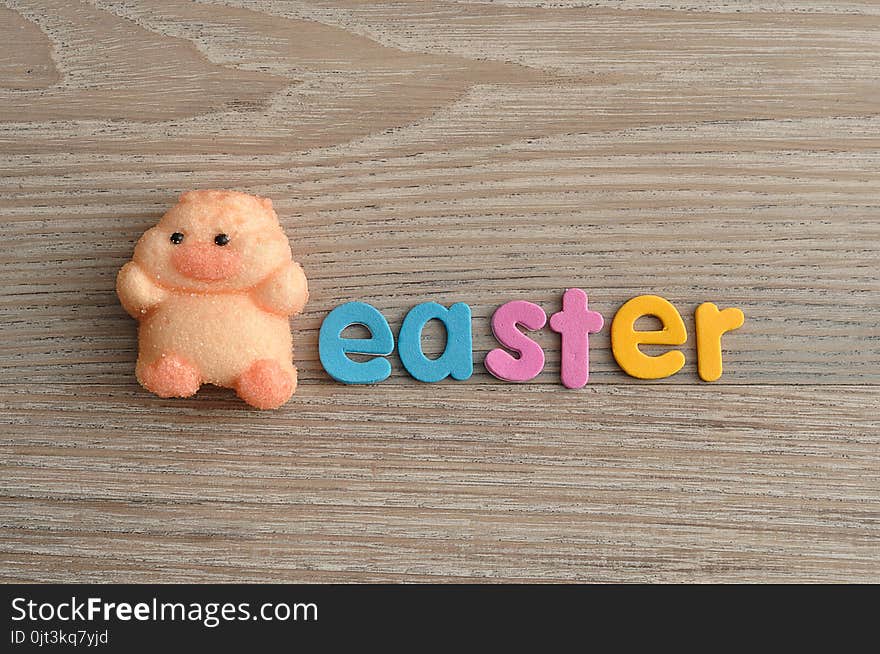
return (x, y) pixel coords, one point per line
(574, 323)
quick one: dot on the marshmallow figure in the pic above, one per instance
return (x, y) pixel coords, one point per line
(213, 285)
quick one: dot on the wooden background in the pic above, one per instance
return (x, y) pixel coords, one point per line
(451, 151)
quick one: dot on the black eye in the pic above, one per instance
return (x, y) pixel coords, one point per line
(221, 239)
(177, 238)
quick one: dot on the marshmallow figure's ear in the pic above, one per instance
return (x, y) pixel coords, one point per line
(186, 196)
(267, 203)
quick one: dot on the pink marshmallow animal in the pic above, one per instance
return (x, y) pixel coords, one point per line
(213, 285)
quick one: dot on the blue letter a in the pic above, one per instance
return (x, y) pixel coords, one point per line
(457, 359)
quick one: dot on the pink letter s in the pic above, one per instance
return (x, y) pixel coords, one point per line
(531, 357)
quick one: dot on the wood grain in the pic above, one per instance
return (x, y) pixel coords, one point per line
(451, 151)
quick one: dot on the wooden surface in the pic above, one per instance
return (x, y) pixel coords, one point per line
(451, 151)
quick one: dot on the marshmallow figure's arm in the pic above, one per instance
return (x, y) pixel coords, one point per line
(284, 292)
(137, 292)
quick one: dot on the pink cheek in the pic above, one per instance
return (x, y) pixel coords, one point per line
(203, 262)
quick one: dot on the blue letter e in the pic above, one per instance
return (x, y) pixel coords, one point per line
(457, 359)
(332, 347)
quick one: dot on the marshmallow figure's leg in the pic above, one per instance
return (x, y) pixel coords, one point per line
(169, 375)
(267, 383)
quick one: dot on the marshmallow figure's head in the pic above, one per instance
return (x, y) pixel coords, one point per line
(213, 241)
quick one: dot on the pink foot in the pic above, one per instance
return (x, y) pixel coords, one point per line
(266, 384)
(170, 376)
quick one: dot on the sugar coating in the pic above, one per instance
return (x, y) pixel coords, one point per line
(213, 302)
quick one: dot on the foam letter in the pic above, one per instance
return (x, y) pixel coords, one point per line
(575, 323)
(332, 347)
(625, 339)
(457, 359)
(531, 357)
(711, 324)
